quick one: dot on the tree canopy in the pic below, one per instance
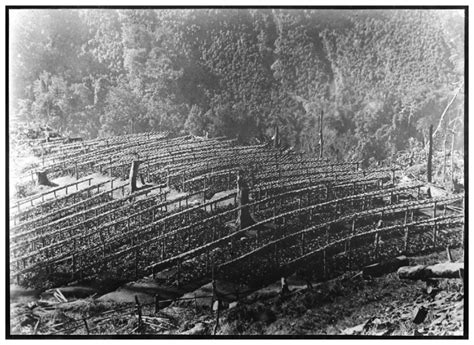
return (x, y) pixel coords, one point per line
(380, 77)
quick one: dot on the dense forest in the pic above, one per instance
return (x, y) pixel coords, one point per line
(380, 77)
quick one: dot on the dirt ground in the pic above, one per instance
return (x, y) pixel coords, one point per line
(348, 305)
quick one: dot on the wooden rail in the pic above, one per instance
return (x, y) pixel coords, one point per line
(58, 202)
(295, 257)
(391, 209)
(53, 191)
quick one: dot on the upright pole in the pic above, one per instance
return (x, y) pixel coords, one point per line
(444, 158)
(430, 155)
(138, 309)
(452, 157)
(321, 140)
(276, 138)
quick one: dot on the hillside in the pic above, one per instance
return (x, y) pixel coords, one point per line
(380, 77)
(120, 221)
(236, 172)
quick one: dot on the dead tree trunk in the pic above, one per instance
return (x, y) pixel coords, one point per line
(452, 156)
(379, 269)
(276, 138)
(446, 109)
(133, 176)
(244, 219)
(430, 155)
(444, 156)
(42, 179)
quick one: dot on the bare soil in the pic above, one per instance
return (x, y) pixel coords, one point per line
(348, 305)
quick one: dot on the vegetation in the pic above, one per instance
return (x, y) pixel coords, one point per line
(379, 77)
(348, 305)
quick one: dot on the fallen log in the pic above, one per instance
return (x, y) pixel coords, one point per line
(379, 269)
(442, 270)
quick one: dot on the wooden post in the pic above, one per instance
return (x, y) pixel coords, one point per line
(139, 313)
(376, 246)
(435, 226)
(448, 254)
(86, 325)
(42, 154)
(35, 330)
(321, 139)
(406, 231)
(178, 274)
(136, 260)
(302, 244)
(452, 157)
(430, 156)
(349, 253)
(148, 169)
(407, 228)
(157, 303)
(213, 282)
(195, 303)
(73, 261)
(325, 270)
(217, 317)
(110, 168)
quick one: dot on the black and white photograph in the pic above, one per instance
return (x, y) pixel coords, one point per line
(236, 172)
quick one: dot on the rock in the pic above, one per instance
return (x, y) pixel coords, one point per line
(354, 330)
(32, 305)
(233, 305)
(198, 329)
(418, 332)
